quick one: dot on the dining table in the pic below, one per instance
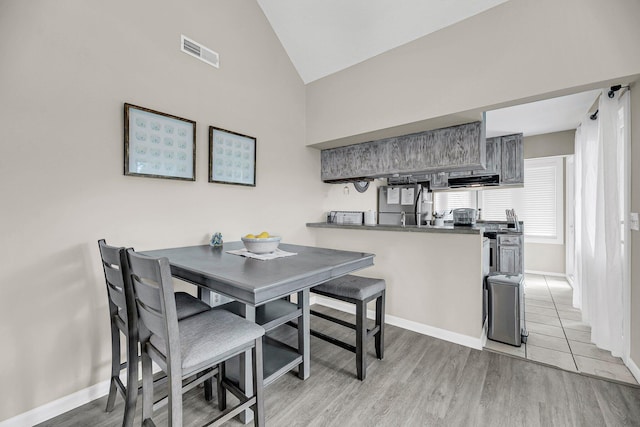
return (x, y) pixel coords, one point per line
(260, 291)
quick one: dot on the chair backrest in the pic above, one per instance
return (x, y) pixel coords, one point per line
(116, 275)
(155, 300)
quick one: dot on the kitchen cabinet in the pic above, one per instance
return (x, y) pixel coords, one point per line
(510, 254)
(440, 150)
(494, 149)
(493, 157)
(512, 160)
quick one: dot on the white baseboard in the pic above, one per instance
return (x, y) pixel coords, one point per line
(633, 368)
(410, 325)
(67, 403)
(58, 407)
(545, 273)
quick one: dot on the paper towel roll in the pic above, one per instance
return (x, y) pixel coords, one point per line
(370, 218)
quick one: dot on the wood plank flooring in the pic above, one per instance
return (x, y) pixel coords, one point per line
(422, 381)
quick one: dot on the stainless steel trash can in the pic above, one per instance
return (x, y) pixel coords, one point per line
(506, 309)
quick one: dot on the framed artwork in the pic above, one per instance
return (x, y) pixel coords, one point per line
(232, 157)
(158, 145)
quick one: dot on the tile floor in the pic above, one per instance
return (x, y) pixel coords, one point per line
(557, 335)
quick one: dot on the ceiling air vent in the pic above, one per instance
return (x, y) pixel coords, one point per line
(202, 53)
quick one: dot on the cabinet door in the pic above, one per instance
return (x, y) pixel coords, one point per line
(494, 155)
(493, 159)
(509, 259)
(440, 180)
(512, 167)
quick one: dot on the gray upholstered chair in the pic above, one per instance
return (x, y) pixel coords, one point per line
(191, 350)
(123, 316)
(359, 291)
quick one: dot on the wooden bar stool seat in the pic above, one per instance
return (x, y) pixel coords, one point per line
(359, 291)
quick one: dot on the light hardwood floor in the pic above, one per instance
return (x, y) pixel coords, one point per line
(422, 381)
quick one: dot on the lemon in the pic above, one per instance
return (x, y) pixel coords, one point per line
(250, 236)
(263, 235)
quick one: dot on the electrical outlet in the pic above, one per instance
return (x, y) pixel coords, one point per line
(634, 222)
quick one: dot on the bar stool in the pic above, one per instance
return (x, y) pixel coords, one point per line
(359, 291)
(124, 320)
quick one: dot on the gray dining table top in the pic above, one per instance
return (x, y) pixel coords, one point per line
(254, 281)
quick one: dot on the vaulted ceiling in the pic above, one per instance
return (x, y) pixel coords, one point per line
(323, 37)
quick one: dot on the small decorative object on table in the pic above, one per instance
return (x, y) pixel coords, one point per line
(216, 240)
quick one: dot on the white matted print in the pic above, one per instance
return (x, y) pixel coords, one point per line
(158, 145)
(232, 157)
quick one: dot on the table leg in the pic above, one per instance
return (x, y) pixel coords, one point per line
(304, 334)
(246, 379)
(205, 295)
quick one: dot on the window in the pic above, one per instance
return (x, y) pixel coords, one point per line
(448, 200)
(496, 202)
(539, 203)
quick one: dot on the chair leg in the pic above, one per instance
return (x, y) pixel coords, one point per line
(208, 390)
(222, 393)
(132, 382)
(147, 385)
(258, 384)
(175, 396)
(379, 338)
(115, 367)
(361, 340)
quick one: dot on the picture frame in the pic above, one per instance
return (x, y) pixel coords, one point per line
(158, 145)
(232, 157)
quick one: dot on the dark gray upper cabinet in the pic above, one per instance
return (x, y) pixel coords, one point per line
(494, 157)
(449, 149)
(512, 167)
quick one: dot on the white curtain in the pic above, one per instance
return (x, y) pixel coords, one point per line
(598, 288)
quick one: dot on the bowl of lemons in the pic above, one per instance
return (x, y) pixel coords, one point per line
(262, 243)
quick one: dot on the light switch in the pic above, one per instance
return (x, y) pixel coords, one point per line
(634, 223)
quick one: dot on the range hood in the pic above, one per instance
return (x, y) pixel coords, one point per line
(474, 181)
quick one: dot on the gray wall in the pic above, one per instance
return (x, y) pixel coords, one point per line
(548, 258)
(513, 53)
(549, 144)
(67, 68)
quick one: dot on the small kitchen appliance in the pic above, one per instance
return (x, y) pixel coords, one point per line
(464, 216)
(345, 217)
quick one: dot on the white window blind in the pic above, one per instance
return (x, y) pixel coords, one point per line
(496, 201)
(448, 200)
(539, 203)
(541, 196)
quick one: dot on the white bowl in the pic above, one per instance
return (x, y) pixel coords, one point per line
(261, 246)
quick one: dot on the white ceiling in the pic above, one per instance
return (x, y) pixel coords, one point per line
(325, 36)
(535, 118)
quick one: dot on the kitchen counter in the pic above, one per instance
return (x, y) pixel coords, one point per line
(447, 228)
(479, 228)
(434, 274)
